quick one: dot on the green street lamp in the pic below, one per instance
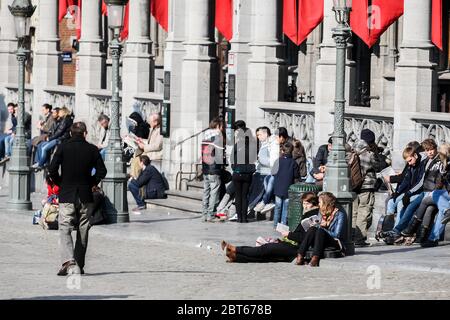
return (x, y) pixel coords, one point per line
(19, 170)
(115, 182)
(337, 179)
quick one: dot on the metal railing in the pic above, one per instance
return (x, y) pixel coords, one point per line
(194, 166)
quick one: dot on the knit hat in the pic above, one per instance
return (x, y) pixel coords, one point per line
(368, 136)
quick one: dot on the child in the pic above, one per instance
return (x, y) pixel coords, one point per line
(285, 173)
(49, 213)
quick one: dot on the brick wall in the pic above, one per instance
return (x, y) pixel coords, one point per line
(66, 33)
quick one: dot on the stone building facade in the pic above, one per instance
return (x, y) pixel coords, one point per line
(400, 88)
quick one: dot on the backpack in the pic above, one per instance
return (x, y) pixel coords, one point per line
(98, 215)
(356, 176)
(385, 224)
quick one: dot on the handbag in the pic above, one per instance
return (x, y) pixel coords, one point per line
(225, 176)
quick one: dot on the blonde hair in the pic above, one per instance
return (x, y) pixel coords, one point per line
(444, 153)
(65, 112)
(328, 201)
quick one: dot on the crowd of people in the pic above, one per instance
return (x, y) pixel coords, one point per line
(263, 167)
(263, 171)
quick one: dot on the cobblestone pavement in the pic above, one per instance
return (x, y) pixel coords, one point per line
(158, 256)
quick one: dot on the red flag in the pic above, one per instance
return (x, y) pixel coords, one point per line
(78, 20)
(124, 32)
(160, 10)
(310, 15)
(104, 8)
(290, 20)
(358, 20)
(224, 18)
(64, 5)
(436, 24)
(383, 14)
(300, 18)
(388, 12)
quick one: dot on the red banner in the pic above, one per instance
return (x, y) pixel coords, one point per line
(64, 5)
(382, 14)
(160, 10)
(224, 18)
(300, 18)
(436, 24)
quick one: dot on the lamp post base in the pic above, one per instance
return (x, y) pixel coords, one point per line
(22, 205)
(19, 189)
(116, 200)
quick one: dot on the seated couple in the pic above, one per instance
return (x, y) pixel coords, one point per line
(322, 227)
(150, 180)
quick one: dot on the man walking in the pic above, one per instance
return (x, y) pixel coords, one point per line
(76, 158)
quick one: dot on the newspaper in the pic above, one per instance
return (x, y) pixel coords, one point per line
(387, 172)
(309, 222)
(282, 228)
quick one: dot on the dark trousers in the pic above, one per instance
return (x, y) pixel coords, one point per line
(317, 239)
(270, 252)
(242, 186)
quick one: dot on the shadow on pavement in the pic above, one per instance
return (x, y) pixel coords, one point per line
(152, 271)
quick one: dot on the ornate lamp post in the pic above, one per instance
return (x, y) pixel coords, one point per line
(19, 170)
(115, 183)
(337, 178)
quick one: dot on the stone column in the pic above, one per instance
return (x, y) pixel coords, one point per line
(199, 98)
(267, 72)
(173, 63)
(8, 62)
(46, 56)
(307, 59)
(91, 61)
(415, 77)
(379, 61)
(138, 62)
(326, 78)
(240, 54)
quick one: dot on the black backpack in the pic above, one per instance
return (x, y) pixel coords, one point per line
(385, 224)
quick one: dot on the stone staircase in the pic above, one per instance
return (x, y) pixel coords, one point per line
(187, 201)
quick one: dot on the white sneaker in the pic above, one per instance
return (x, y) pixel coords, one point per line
(259, 207)
(268, 207)
(233, 218)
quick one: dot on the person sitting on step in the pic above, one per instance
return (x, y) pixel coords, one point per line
(151, 180)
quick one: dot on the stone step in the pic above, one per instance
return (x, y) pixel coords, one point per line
(181, 205)
(183, 195)
(195, 186)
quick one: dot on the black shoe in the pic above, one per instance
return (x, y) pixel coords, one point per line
(392, 238)
(412, 227)
(69, 267)
(446, 217)
(422, 234)
(429, 244)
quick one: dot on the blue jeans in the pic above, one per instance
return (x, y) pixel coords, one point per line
(134, 189)
(103, 153)
(392, 205)
(9, 141)
(43, 151)
(269, 182)
(442, 200)
(309, 168)
(404, 215)
(3, 137)
(281, 207)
